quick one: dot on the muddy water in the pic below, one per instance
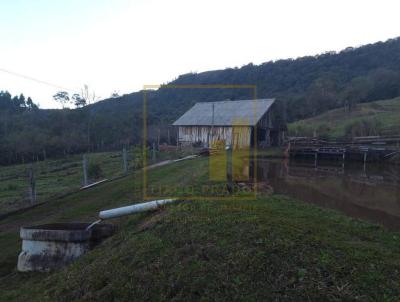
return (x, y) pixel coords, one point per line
(370, 192)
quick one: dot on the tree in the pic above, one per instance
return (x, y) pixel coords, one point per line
(78, 100)
(31, 105)
(114, 95)
(321, 95)
(357, 91)
(21, 101)
(61, 97)
(18, 103)
(89, 97)
(6, 103)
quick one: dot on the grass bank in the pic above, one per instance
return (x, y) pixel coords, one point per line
(269, 248)
(374, 118)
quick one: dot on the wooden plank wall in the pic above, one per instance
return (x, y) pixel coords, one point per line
(238, 136)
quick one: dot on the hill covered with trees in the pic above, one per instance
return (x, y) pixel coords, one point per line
(306, 86)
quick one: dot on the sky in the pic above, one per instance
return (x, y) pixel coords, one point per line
(121, 45)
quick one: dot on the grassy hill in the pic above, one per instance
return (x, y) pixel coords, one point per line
(269, 248)
(375, 118)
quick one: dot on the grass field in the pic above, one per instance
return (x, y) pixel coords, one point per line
(58, 177)
(375, 118)
(269, 248)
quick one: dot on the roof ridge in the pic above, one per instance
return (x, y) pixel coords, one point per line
(229, 101)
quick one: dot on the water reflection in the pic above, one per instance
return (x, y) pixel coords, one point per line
(370, 192)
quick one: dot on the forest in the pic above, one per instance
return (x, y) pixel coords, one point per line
(306, 87)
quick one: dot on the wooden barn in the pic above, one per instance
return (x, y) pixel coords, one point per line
(233, 123)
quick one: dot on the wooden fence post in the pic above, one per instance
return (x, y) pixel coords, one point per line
(229, 170)
(32, 185)
(365, 161)
(158, 138)
(154, 152)
(85, 174)
(125, 160)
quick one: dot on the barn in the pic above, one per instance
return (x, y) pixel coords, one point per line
(238, 124)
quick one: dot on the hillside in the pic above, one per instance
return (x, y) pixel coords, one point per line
(374, 118)
(305, 86)
(270, 248)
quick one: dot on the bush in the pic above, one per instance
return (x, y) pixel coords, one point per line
(11, 187)
(364, 127)
(95, 171)
(138, 157)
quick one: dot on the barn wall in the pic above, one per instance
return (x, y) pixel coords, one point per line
(241, 137)
(273, 126)
(237, 136)
(265, 121)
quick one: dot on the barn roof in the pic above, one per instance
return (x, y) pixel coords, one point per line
(226, 113)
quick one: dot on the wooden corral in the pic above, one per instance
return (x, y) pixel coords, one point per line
(238, 124)
(372, 148)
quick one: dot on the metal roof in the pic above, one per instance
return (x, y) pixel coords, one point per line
(226, 113)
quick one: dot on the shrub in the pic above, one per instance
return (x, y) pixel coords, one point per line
(364, 127)
(95, 171)
(11, 187)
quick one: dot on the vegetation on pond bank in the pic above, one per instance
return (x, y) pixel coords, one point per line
(375, 118)
(269, 248)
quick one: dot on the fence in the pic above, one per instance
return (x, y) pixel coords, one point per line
(25, 185)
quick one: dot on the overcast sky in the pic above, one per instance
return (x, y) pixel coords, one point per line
(121, 45)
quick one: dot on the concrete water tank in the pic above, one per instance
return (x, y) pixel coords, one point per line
(49, 246)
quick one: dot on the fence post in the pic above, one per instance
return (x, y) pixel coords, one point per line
(365, 160)
(154, 152)
(125, 160)
(84, 166)
(229, 170)
(158, 138)
(32, 185)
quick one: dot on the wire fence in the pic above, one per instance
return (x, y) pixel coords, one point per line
(25, 185)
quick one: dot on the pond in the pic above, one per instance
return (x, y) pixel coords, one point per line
(369, 192)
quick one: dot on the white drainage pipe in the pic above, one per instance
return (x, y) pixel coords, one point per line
(136, 208)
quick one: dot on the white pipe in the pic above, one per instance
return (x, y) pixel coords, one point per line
(136, 208)
(94, 184)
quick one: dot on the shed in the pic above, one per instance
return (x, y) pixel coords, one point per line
(235, 123)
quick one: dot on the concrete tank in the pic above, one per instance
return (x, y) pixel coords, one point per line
(49, 246)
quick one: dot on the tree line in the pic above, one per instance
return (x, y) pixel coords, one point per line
(305, 86)
(16, 104)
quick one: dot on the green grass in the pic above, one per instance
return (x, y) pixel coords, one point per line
(271, 152)
(267, 249)
(53, 177)
(382, 115)
(57, 177)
